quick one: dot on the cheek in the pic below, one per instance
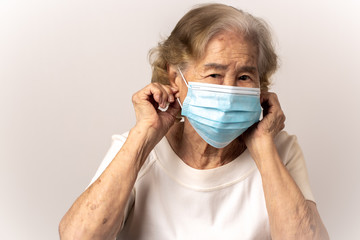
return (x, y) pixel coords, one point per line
(257, 83)
(183, 92)
(250, 84)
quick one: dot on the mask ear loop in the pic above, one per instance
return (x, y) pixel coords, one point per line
(186, 83)
(182, 76)
(179, 102)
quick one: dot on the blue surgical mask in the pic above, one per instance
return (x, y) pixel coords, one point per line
(219, 113)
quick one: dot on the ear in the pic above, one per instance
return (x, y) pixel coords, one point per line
(172, 74)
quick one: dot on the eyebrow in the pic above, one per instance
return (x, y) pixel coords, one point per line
(218, 66)
(215, 66)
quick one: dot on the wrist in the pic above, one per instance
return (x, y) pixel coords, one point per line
(147, 132)
(263, 150)
(145, 136)
(259, 144)
(137, 146)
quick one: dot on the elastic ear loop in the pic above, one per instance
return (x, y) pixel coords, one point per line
(183, 78)
(179, 102)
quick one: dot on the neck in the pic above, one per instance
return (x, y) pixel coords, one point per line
(197, 153)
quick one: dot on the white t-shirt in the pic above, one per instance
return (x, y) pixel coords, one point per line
(172, 200)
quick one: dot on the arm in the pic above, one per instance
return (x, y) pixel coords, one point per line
(98, 212)
(291, 216)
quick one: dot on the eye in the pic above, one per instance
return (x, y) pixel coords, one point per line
(244, 78)
(214, 75)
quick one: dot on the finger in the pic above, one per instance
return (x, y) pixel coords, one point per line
(272, 109)
(156, 92)
(270, 102)
(170, 93)
(167, 96)
(160, 95)
(173, 109)
(274, 100)
(276, 110)
(264, 97)
(175, 92)
(276, 107)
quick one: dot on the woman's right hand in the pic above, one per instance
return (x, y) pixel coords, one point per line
(106, 199)
(148, 116)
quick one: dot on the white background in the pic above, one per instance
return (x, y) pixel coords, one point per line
(68, 70)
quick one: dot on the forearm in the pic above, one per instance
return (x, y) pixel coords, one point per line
(290, 215)
(98, 212)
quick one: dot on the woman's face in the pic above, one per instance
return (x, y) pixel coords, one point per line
(229, 59)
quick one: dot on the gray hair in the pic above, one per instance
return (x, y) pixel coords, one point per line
(188, 40)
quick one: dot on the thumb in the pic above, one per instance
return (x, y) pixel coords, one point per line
(174, 108)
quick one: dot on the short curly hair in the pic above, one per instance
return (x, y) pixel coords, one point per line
(188, 40)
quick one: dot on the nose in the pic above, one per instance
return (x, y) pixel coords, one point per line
(230, 81)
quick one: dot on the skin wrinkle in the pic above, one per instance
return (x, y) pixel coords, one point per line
(288, 211)
(219, 53)
(175, 136)
(273, 126)
(308, 222)
(218, 50)
(209, 67)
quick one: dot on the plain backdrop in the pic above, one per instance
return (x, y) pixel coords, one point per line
(68, 70)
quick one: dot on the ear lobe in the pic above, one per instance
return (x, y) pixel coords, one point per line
(172, 74)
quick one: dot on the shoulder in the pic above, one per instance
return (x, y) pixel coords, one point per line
(292, 156)
(284, 139)
(120, 138)
(287, 145)
(118, 141)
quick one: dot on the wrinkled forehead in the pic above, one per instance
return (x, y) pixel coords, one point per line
(228, 48)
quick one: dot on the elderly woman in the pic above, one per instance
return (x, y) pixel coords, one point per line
(199, 164)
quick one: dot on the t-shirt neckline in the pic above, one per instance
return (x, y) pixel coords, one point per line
(207, 179)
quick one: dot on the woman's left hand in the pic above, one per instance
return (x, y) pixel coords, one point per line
(272, 123)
